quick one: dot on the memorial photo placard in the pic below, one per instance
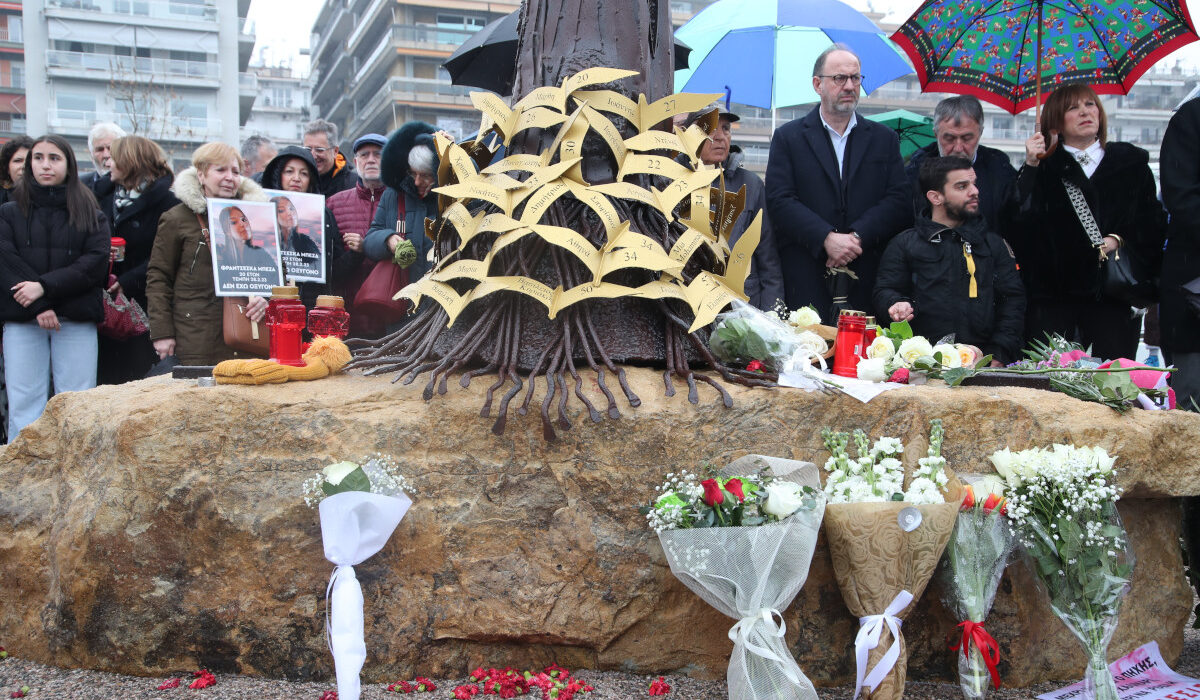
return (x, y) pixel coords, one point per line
(300, 219)
(245, 247)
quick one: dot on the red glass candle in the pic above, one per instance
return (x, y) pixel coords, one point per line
(849, 346)
(329, 317)
(285, 323)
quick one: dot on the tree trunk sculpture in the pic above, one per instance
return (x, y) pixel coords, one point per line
(543, 302)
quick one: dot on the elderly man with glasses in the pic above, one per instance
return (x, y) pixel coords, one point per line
(958, 126)
(334, 174)
(836, 193)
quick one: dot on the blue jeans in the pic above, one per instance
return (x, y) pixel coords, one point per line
(32, 354)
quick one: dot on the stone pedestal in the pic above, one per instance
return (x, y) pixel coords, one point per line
(156, 526)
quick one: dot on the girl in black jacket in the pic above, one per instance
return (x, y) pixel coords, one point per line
(141, 192)
(1059, 265)
(54, 250)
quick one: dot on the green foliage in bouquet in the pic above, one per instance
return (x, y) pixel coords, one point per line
(740, 338)
(685, 501)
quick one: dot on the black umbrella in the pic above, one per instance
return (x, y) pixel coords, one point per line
(488, 59)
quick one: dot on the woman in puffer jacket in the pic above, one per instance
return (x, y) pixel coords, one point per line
(54, 249)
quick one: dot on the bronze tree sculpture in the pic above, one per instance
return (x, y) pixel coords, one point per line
(592, 242)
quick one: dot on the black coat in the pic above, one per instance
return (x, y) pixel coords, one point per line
(1058, 262)
(43, 247)
(927, 267)
(137, 223)
(806, 199)
(994, 176)
(764, 284)
(1179, 170)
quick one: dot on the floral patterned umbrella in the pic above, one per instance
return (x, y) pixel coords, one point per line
(988, 48)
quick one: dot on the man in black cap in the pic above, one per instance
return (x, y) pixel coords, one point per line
(764, 284)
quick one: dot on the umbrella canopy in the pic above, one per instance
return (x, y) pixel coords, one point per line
(915, 130)
(762, 49)
(988, 48)
(488, 59)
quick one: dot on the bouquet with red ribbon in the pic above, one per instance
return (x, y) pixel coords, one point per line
(979, 548)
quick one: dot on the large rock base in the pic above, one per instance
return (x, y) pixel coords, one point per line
(156, 526)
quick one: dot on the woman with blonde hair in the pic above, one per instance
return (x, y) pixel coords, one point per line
(1082, 199)
(185, 313)
(141, 177)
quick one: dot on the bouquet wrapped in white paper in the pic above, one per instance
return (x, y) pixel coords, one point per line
(360, 507)
(743, 542)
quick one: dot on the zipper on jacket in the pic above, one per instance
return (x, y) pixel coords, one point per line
(196, 256)
(973, 288)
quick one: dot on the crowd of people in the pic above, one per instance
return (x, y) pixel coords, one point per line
(957, 241)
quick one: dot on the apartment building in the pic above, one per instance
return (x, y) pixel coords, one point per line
(12, 71)
(377, 63)
(282, 106)
(170, 70)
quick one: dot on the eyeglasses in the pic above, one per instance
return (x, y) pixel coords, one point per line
(840, 79)
(320, 151)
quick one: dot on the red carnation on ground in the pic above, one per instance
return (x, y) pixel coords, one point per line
(659, 687)
(465, 692)
(900, 376)
(203, 680)
(328, 695)
(173, 683)
(556, 671)
(754, 366)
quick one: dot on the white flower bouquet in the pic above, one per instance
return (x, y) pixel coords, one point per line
(360, 507)
(896, 348)
(1063, 507)
(743, 541)
(885, 543)
(976, 557)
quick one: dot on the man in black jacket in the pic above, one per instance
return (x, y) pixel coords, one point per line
(958, 125)
(949, 274)
(1180, 174)
(836, 193)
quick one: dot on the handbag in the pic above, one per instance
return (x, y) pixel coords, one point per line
(123, 317)
(241, 333)
(374, 298)
(1120, 277)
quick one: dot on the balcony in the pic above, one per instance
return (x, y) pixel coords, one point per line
(363, 24)
(109, 67)
(159, 127)
(154, 9)
(12, 125)
(9, 81)
(340, 23)
(12, 35)
(410, 91)
(429, 37)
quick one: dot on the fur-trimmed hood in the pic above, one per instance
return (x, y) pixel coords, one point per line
(189, 191)
(395, 154)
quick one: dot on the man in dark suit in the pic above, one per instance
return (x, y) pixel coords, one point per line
(958, 125)
(836, 193)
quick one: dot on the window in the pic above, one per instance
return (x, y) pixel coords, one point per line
(14, 28)
(18, 75)
(75, 106)
(461, 24)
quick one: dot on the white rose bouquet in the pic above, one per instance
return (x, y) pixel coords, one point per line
(896, 348)
(885, 542)
(743, 541)
(360, 506)
(1063, 507)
